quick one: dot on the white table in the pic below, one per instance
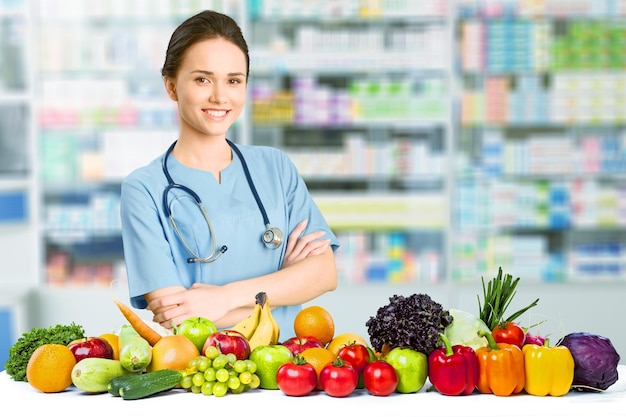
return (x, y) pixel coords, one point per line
(24, 400)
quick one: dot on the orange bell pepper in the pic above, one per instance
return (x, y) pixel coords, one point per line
(549, 370)
(501, 368)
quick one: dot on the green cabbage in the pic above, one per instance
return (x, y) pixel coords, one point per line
(464, 329)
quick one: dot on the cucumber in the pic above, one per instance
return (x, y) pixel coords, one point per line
(150, 383)
(94, 374)
(119, 382)
(135, 351)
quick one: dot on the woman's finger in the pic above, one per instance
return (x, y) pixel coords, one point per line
(295, 235)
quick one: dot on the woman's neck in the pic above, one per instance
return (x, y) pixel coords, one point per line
(209, 155)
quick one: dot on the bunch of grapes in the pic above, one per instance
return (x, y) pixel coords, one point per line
(216, 373)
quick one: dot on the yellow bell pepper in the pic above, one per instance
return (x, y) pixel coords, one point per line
(549, 370)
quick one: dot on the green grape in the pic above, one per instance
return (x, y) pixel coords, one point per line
(240, 366)
(231, 357)
(192, 366)
(220, 389)
(212, 352)
(186, 382)
(222, 375)
(209, 374)
(245, 377)
(203, 363)
(220, 361)
(241, 388)
(196, 389)
(233, 382)
(198, 379)
(207, 388)
(255, 381)
(251, 365)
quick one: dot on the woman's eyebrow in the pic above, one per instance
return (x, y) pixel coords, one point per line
(230, 74)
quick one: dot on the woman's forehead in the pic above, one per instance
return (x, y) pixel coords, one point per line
(215, 55)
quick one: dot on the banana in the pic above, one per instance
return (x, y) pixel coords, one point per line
(265, 330)
(276, 328)
(248, 325)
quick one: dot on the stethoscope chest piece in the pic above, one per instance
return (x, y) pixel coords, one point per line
(273, 237)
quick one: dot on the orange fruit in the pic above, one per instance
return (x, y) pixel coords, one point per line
(314, 321)
(318, 357)
(172, 352)
(114, 341)
(49, 368)
(345, 339)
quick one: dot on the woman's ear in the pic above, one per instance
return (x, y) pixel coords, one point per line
(170, 88)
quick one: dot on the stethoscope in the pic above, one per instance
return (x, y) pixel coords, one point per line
(272, 237)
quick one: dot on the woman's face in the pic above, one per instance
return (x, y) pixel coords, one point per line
(210, 87)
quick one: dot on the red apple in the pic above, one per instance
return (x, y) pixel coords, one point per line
(228, 341)
(298, 345)
(91, 347)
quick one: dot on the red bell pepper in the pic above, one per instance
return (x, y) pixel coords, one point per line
(453, 370)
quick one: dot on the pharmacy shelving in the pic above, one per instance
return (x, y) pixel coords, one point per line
(541, 150)
(15, 107)
(18, 185)
(357, 94)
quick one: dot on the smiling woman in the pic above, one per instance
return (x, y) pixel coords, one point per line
(198, 241)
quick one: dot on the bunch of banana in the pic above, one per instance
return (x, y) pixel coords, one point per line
(259, 327)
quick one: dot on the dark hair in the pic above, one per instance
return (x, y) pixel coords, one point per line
(207, 24)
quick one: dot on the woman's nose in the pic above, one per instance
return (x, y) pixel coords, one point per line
(218, 96)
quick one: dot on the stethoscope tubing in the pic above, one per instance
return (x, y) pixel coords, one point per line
(275, 233)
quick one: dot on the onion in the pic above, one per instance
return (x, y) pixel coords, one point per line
(595, 361)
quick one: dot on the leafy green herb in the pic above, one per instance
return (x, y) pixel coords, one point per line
(497, 297)
(21, 351)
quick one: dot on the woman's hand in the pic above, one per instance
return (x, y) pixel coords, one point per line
(300, 247)
(200, 300)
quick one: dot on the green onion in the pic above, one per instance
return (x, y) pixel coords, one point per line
(497, 297)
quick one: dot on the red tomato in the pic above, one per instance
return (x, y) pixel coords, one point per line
(357, 355)
(338, 378)
(296, 378)
(510, 333)
(380, 378)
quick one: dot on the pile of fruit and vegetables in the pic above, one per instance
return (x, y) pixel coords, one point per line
(412, 339)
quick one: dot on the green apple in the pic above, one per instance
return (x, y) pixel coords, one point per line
(196, 329)
(268, 359)
(411, 366)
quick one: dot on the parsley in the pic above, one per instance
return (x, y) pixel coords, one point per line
(20, 352)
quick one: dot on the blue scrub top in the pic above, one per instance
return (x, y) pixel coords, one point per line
(155, 256)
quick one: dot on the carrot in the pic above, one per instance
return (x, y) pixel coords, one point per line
(144, 330)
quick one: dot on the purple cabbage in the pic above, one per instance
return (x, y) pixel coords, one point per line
(595, 361)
